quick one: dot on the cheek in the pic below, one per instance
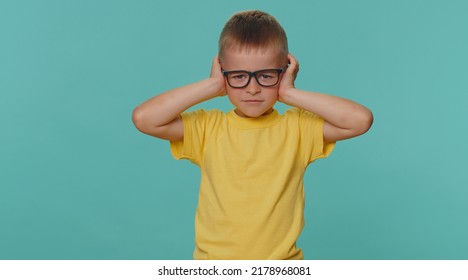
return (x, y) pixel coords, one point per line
(272, 96)
(233, 94)
(272, 92)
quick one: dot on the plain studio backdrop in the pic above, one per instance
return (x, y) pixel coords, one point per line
(78, 181)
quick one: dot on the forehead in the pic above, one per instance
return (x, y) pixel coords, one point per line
(251, 59)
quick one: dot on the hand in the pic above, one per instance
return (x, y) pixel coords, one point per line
(217, 76)
(288, 78)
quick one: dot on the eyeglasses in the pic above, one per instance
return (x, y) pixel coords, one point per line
(265, 77)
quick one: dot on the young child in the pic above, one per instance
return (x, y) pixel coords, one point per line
(252, 159)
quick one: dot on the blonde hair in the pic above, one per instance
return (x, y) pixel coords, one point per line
(253, 29)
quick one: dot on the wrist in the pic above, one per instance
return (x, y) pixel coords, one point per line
(216, 86)
(288, 96)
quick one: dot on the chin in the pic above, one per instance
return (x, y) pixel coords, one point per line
(252, 114)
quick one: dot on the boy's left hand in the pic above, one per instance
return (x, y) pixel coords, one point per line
(288, 78)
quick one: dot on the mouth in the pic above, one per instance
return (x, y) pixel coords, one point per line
(252, 101)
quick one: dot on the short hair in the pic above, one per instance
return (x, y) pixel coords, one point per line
(252, 29)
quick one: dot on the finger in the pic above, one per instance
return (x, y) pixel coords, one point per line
(216, 65)
(292, 61)
(294, 64)
(216, 60)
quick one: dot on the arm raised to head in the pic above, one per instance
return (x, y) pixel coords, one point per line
(160, 115)
(344, 118)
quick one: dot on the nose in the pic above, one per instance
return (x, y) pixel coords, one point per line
(253, 87)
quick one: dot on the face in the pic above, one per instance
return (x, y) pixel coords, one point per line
(253, 100)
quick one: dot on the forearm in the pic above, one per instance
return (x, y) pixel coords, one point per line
(337, 111)
(164, 108)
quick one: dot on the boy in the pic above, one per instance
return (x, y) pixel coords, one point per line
(252, 159)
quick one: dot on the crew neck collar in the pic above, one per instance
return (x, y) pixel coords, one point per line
(248, 123)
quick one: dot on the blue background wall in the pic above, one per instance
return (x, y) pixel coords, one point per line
(78, 181)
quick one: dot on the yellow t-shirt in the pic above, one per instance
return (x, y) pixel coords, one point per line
(251, 200)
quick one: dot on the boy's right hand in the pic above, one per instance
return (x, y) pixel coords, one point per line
(216, 75)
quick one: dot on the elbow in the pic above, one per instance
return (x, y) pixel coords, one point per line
(138, 119)
(142, 121)
(365, 121)
(357, 124)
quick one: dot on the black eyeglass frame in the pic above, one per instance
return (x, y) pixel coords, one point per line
(254, 74)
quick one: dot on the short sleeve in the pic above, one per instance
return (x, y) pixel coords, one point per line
(189, 147)
(311, 139)
(198, 125)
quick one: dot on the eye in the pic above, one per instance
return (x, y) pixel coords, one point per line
(266, 76)
(238, 76)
